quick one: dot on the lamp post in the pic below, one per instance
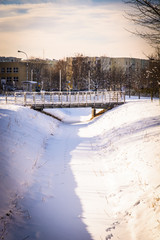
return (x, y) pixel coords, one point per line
(27, 61)
(159, 91)
(130, 76)
(60, 81)
(89, 80)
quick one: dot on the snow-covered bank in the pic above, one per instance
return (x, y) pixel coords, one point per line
(90, 180)
(23, 137)
(126, 163)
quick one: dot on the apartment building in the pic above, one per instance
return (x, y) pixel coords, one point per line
(84, 67)
(107, 63)
(19, 74)
(26, 75)
(128, 64)
(13, 72)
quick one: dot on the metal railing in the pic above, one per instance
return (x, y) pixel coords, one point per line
(62, 98)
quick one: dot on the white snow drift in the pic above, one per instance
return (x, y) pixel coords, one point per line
(96, 179)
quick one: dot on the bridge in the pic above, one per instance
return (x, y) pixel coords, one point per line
(40, 100)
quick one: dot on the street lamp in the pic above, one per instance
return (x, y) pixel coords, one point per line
(89, 80)
(159, 91)
(60, 81)
(27, 61)
(130, 76)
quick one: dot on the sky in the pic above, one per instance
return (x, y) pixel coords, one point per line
(56, 29)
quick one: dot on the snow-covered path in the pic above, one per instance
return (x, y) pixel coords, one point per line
(96, 180)
(67, 199)
(57, 209)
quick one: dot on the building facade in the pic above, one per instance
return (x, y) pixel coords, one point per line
(16, 74)
(13, 72)
(98, 72)
(79, 73)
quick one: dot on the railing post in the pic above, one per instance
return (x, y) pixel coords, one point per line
(15, 98)
(52, 97)
(34, 98)
(70, 97)
(86, 98)
(43, 94)
(6, 97)
(102, 97)
(78, 98)
(117, 96)
(67, 96)
(97, 96)
(24, 98)
(82, 96)
(124, 97)
(41, 97)
(105, 95)
(61, 99)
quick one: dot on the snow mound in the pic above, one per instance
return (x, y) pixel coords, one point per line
(71, 115)
(97, 179)
(24, 133)
(126, 149)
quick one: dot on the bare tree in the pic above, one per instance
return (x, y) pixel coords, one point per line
(37, 72)
(77, 72)
(59, 67)
(146, 13)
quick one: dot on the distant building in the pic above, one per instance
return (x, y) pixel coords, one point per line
(100, 69)
(15, 73)
(9, 59)
(107, 63)
(129, 63)
(80, 72)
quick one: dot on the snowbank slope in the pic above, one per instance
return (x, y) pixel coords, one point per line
(109, 168)
(24, 133)
(126, 154)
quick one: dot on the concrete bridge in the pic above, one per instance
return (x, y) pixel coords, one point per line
(39, 101)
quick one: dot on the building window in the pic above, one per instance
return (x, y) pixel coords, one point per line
(15, 69)
(15, 79)
(9, 70)
(3, 70)
(3, 81)
(9, 79)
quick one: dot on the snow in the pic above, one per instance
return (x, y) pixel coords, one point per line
(71, 115)
(80, 179)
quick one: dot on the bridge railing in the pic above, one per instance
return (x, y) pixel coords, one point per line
(62, 98)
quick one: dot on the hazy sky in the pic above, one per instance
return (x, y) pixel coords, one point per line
(63, 28)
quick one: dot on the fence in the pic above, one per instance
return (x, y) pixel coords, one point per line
(63, 99)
